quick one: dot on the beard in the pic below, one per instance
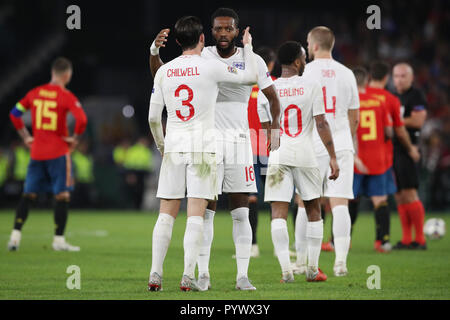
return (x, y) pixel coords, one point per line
(310, 56)
(227, 50)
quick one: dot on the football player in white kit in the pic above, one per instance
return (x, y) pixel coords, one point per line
(295, 163)
(234, 156)
(188, 87)
(340, 95)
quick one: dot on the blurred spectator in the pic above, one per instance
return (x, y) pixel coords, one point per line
(136, 162)
(84, 193)
(4, 165)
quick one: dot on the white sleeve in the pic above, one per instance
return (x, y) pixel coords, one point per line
(263, 108)
(221, 72)
(354, 96)
(264, 78)
(317, 98)
(155, 113)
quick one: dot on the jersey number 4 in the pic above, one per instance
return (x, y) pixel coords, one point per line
(45, 109)
(333, 99)
(186, 102)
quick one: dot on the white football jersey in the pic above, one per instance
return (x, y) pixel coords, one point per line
(300, 100)
(340, 94)
(188, 87)
(232, 100)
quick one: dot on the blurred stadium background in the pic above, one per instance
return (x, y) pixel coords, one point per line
(117, 163)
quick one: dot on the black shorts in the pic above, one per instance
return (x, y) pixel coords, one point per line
(406, 170)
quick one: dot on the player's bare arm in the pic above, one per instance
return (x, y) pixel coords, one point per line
(26, 136)
(323, 129)
(416, 120)
(160, 41)
(388, 132)
(274, 130)
(403, 136)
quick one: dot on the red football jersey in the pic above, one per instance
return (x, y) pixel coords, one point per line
(49, 105)
(254, 125)
(393, 106)
(371, 138)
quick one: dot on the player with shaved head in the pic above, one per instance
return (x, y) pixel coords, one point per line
(340, 97)
(410, 208)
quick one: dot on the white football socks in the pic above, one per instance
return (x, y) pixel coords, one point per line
(242, 237)
(341, 232)
(314, 235)
(280, 239)
(205, 249)
(301, 244)
(193, 238)
(162, 233)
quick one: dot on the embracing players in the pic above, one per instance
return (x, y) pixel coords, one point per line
(50, 168)
(234, 154)
(295, 163)
(188, 87)
(340, 95)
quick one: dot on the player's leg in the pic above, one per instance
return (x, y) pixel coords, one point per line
(253, 208)
(340, 191)
(301, 243)
(382, 222)
(242, 237)
(205, 248)
(201, 185)
(171, 189)
(239, 181)
(193, 238)
(416, 214)
(405, 176)
(308, 182)
(278, 191)
(314, 236)
(34, 181)
(162, 234)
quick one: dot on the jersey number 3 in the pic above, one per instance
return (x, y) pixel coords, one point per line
(186, 102)
(45, 109)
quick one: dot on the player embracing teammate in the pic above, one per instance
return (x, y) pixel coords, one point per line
(235, 173)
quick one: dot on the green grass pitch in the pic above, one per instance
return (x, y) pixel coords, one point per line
(115, 260)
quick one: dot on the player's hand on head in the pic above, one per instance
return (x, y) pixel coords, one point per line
(161, 38)
(414, 153)
(334, 169)
(361, 166)
(247, 37)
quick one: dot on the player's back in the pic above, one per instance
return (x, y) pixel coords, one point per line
(300, 101)
(49, 105)
(371, 137)
(189, 93)
(340, 94)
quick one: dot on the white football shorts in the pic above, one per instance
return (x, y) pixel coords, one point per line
(188, 174)
(235, 172)
(342, 187)
(282, 179)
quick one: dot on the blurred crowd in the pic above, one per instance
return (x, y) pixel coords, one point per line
(132, 168)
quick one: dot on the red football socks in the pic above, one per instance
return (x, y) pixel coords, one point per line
(416, 213)
(406, 223)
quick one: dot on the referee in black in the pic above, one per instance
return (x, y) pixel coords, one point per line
(410, 208)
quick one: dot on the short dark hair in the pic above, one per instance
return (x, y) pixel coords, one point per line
(225, 12)
(360, 75)
(61, 65)
(267, 54)
(289, 51)
(379, 70)
(187, 32)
